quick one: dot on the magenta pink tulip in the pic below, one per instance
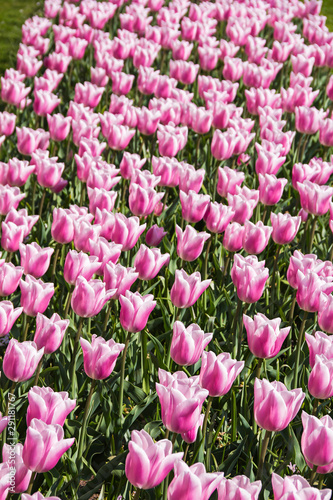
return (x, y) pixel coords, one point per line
(218, 217)
(49, 406)
(129, 163)
(148, 463)
(320, 382)
(218, 373)
(181, 400)
(89, 297)
(50, 332)
(11, 236)
(62, 229)
(34, 259)
(3, 422)
(8, 316)
(310, 286)
(249, 276)
(189, 178)
(44, 446)
(35, 295)
(233, 237)
(135, 310)
(18, 172)
(119, 137)
(118, 277)
(285, 227)
(303, 263)
(59, 126)
(187, 288)
(105, 251)
(143, 201)
(190, 243)
(194, 205)
(239, 487)
(255, 237)
(22, 475)
(270, 189)
(319, 344)
(9, 278)
(80, 264)
(192, 482)
(264, 336)
(315, 199)
(21, 360)
(29, 140)
(149, 261)
(228, 179)
(296, 487)
(187, 344)
(126, 231)
(274, 406)
(317, 440)
(242, 206)
(155, 235)
(100, 356)
(325, 312)
(10, 197)
(84, 232)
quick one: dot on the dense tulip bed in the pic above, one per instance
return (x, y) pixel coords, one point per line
(166, 233)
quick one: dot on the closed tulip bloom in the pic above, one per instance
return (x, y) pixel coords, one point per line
(274, 406)
(181, 400)
(264, 336)
(255, 237)
(84, 231)
(303, 263)
(89, 297)
(126, 231)
(191, 435)
(228, 179)
(35, 260)
(119, 278)
(8, 316)
(148, 463)
(62, 229)
(194, 205)
(129, 163)
(325, 132)
(155, 235)
(50, 332)
(296, 488)
(3, 423)
(21, 360)
(149, 261)
(320, 382)
(105, 251)
(317, 440)
(45, 102)
(242, 206)
(319, 343)
(285, 227)
(189, 178)
(100, 356)
(49, 173)
(218, 217)
(119, 137)
(187, 288)
(223, 144)
(12, 236)
(9, 278)
(270, 189)
(10, 197)
(59, 126)
(135, 310)
(101, 198)
(268, 162)
(315, 199)
(192, 482)
(238, 488)
(18, 172)
(29, 140)
(12, 454)
(310, 285)
(190, 243)
(143, 201)
(49, 406)
(307, 119)
(233, 237)
(188, 343)
(44, 446)
(80, 264)
(35, 295)
(218, 373)
(249, 276)
(325, 313)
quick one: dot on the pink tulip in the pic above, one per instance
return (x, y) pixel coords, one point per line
(83, 232)
(325, 132)
(187, 344)
(307, 119)
(189, 178)
(249, 276)
(274, 406)
(242, 206)
(119, 137)
(190, 243)
(238, 487)
(285, 227)
(264, 336)
(148, 120)
(49, 173)
(194, 205)
(3, 423)
(118, 277)
(105, 251)
(149, 261)
(102, 199)
(192, 482)
(187, 289)
(12, 454)
(80, 264)
(317, 440)
(49, 406)
(8, 316)
(44, 446)
(50, 332)
(268, 162)
(129, 163)
(218, 373)
(255, 237)
(12, 236)
(148, 463)
(9, 278)
(233, 68)
(18, 172)
(183, 71)
(21, 360)
(325, 313)
(10, 197)
(296, 487)
(315, 199)
(45, 102)
(303, 263)
(320, 382)
(126, 230)
(155, 235)
(143, 201)
(35, 260)
(7, 123)
(89, 297)
(270, 189)
(181, 400)
(310, 286)
(228, 179)
(135, 310)
(29, 140)
(100, 356)
(62, 229)
(88, 94)
(319, 344)
(35, 295)
(218, 217)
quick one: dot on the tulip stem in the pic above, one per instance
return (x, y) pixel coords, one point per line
(85, 422)
(26, 328)
(313, 230)
(55, 260)
(122, 377)
(313, 475)
(68, 301)
(237, 339)
(39, 367)
(42, 204)
(186, 451)
(299, 345)
(226, 267)
(276, 258)
(321, 481)
(144, 364)
(292, 308)
(264, 445)
(315, 407)
(75, 349)
(258, 368)
(107, 316)
(33, 476)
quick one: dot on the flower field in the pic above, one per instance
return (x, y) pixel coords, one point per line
(166, 274)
